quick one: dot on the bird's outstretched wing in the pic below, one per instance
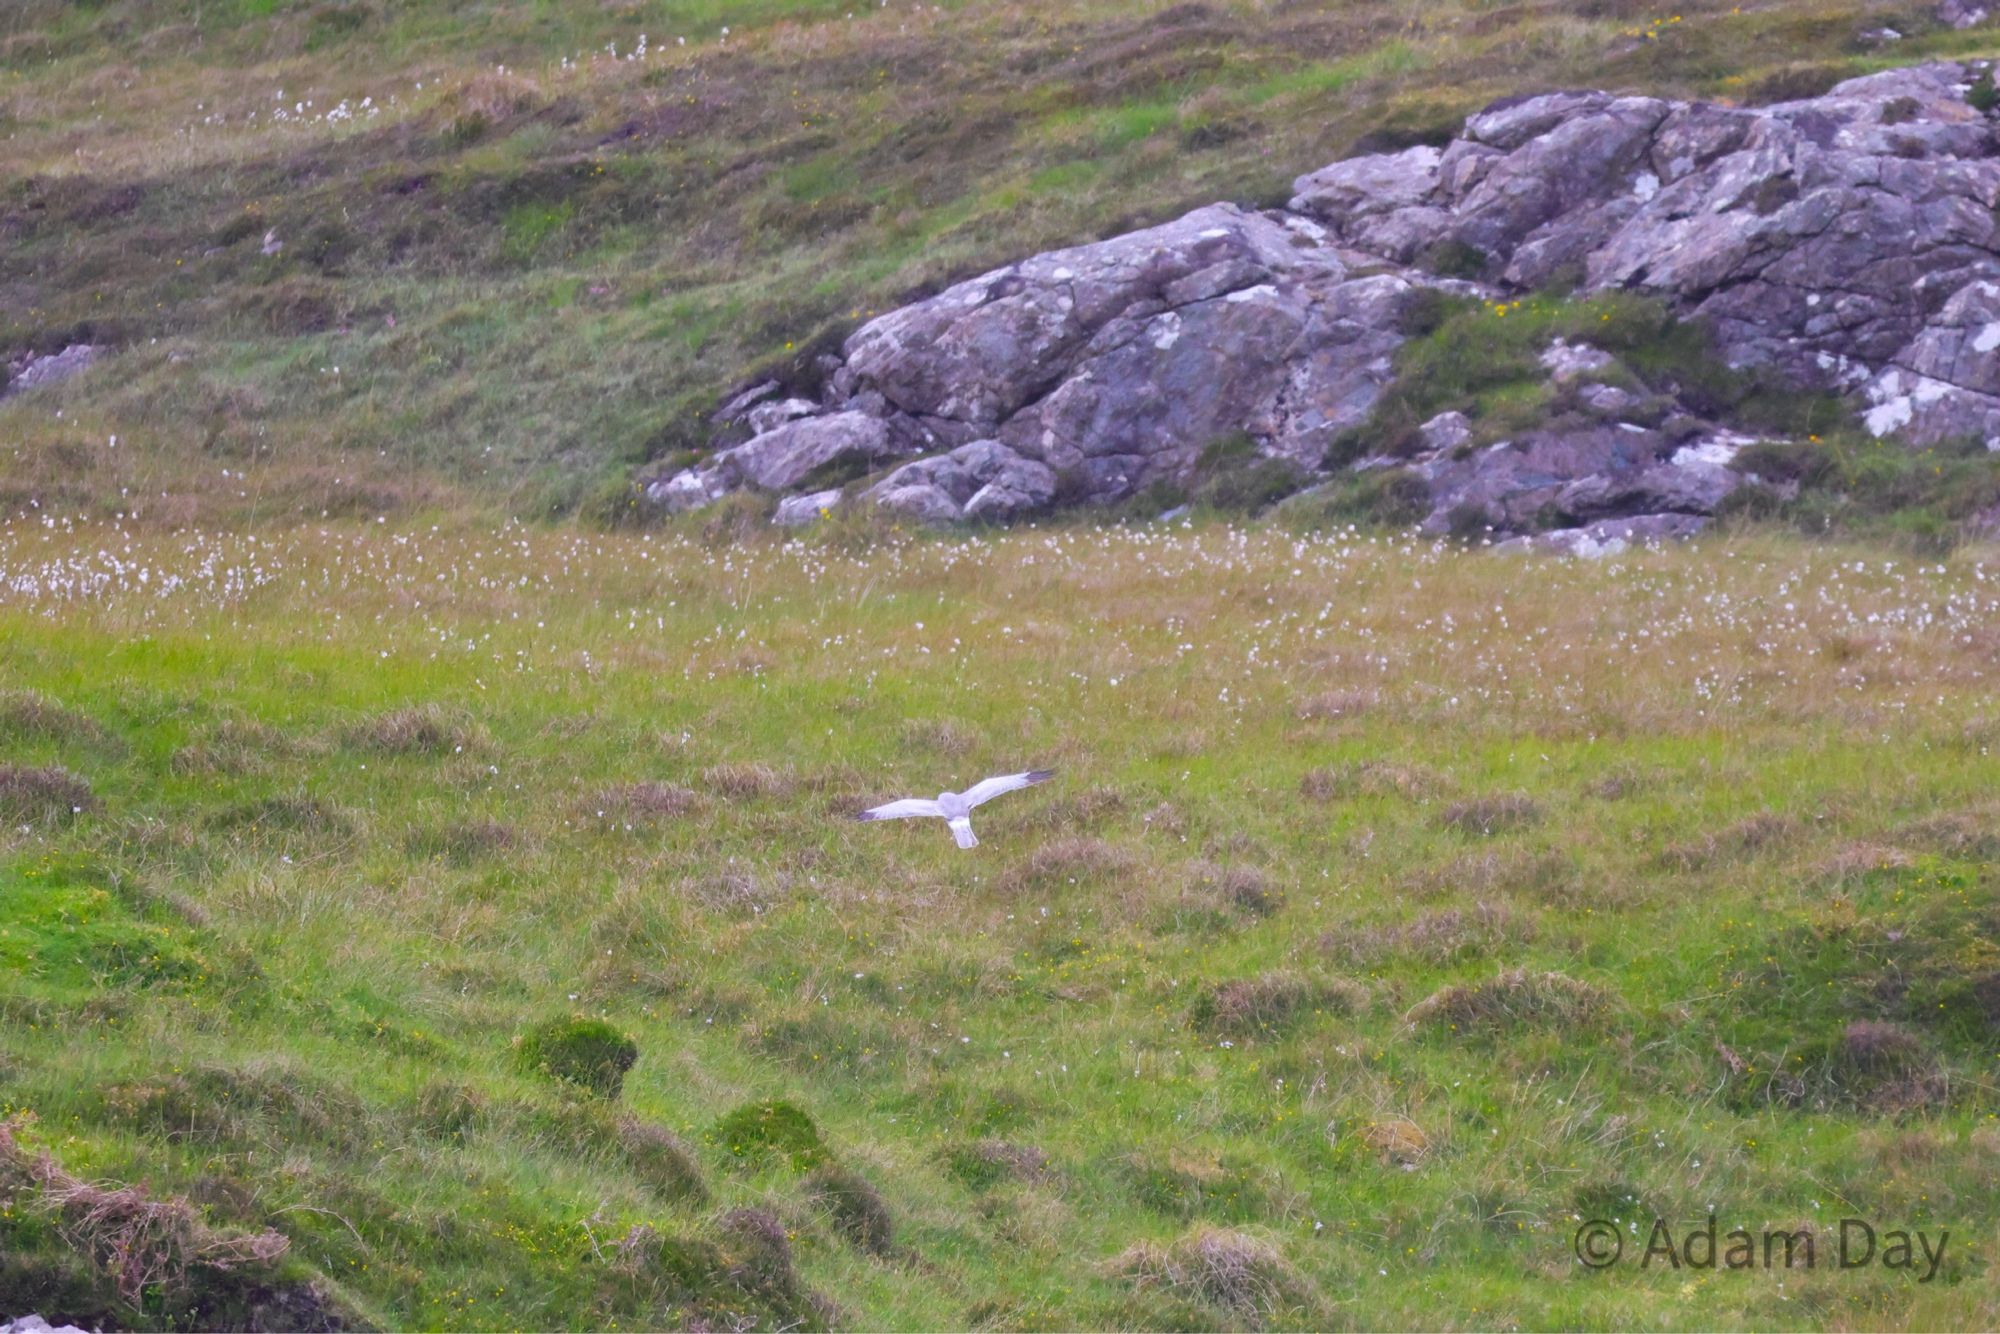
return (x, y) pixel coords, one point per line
(989, 788)
(907, 808)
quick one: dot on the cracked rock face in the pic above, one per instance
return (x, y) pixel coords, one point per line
(1845, 243)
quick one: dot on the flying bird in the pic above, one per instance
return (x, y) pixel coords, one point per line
(955, 808)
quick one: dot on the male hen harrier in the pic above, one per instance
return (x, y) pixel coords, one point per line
(955, 808)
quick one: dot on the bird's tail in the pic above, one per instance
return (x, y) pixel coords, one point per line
(961, 829)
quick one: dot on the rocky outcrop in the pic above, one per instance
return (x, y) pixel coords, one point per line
(1843, 243)
(34, 372)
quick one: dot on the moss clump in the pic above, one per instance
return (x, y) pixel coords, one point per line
(775, 1126)
(586, 1052)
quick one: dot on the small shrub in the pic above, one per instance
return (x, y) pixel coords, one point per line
(855, 1208)
(1982, 96)
(589, 1053)
(776, 1126)
(51, 795)
(1455, 259)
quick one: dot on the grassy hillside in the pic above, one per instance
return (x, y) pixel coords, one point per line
(517, 254)
(1397, 910)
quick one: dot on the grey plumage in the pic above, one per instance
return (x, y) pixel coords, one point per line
(955, 808)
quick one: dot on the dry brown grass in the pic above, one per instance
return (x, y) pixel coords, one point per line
(138, 1242)
(1743, 838)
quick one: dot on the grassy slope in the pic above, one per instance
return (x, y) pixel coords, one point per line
(534, 266)
(1759, 783)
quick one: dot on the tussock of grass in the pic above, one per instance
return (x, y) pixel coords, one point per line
(648, 800)
(1486, 816)
(47, 795)
(427, 729)
(28, 717)
(1239, 1273)
(1273, 1002)
(1518, 997)
(747, 782)
(854, 1207)
(1444, 936)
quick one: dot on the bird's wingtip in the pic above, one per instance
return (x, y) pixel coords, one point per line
(862, 816)
(1040, 775)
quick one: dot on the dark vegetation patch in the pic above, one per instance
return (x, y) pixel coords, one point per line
(854, 1207)
(28, 717)
(460, 843)
(773, 1127)
(1743, 838)
(588, 1053)
(1079, 860)
(1372, 778)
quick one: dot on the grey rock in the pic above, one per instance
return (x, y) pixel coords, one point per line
(1608, 399)
(770, 416)
(1962, 14)
(1447, 430)
(1566, 361)
(798, 511)
(55, 368)
(1569, 478)
(1607, 537)
(783, 457)
(982, 481)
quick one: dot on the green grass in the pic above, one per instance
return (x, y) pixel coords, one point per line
(1395, 907)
